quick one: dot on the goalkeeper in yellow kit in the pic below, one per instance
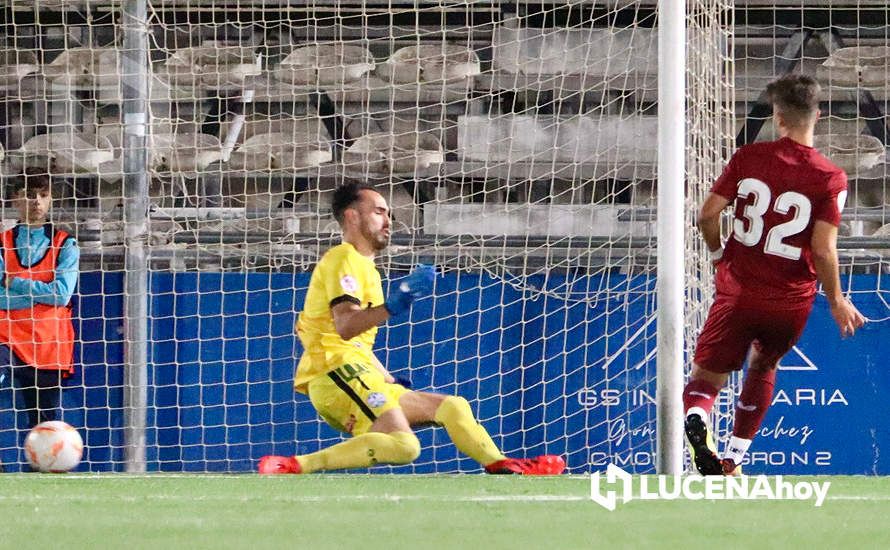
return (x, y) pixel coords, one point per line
(351, 390)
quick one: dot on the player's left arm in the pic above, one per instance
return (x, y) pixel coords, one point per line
(709, 223)
(57, 292)
(823, 247)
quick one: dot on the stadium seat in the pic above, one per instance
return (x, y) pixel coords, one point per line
(577, 139)
(553, 220)
(283, 144)
(85, 68)
(279, 151)
(184, 153)
(861, 66)
(93, 69)
(851, 153)
(178, 152)
(384, 153)
(324, 64)
(430, 63)
(268, 150)
(568, 51)
(212, 65)
(15, 65)
(68, 152)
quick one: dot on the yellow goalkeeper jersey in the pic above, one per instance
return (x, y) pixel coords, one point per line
(342, 275)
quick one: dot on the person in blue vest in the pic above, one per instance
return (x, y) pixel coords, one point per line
(39, 265)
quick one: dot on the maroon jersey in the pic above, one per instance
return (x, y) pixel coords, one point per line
(780, 189)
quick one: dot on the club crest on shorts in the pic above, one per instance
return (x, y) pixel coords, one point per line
(348, 283)
(376, 399)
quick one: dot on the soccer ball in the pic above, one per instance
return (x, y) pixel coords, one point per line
(53, 446)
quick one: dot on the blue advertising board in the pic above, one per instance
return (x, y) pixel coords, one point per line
(550, 363)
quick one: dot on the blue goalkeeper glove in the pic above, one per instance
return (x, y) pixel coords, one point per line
(417, 284)
(404, 381)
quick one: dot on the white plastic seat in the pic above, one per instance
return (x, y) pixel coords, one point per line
(430, 63)
(85, 68)
(15, 65)
(861, 66)
(280, 144)
(325, 64)
(184, 153)
(279, 151)
(69, 152)
(851, 152)
(575, 139)
(592, 52)
(212, 65)
(386, 153)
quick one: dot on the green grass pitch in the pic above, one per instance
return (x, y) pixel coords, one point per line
(466, 512)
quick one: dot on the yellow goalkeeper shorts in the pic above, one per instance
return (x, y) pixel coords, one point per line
(351, 397)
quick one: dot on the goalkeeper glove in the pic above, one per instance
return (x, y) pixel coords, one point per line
(403, 381)
(417, 284)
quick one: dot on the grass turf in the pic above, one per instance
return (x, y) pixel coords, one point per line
(393, 512)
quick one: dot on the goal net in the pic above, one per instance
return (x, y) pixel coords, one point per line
(515, 143)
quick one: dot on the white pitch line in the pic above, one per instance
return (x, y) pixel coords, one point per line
(120, 476)
(348, 498)
(301, 498)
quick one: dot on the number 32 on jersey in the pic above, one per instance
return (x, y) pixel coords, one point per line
(789, 201)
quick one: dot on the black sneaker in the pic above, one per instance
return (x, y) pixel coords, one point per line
(730, 468)
(701, 447)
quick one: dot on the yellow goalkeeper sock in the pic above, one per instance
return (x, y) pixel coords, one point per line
(455, 415)
(363, 451)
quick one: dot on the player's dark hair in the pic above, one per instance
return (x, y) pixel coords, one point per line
(796, 96)
(345, 196)
(33, 180)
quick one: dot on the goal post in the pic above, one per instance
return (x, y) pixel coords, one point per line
(671, 231)
(136, 118)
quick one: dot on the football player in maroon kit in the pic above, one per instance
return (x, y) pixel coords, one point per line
(788, 200)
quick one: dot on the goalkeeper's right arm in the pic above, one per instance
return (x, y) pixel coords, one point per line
(350, 319)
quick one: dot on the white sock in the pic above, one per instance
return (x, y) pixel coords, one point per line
(699, 411)
(736, 449)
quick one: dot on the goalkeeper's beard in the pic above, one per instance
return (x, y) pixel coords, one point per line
(379, 240)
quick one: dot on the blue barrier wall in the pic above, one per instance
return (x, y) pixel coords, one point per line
(533, 365)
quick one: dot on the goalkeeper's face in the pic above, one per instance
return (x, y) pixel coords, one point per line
(374, 219)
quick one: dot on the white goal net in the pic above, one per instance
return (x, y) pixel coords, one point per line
(515, 143)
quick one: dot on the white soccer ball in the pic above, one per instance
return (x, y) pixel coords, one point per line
(53, 446)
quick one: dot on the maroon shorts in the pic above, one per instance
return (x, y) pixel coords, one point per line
(731, 330)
